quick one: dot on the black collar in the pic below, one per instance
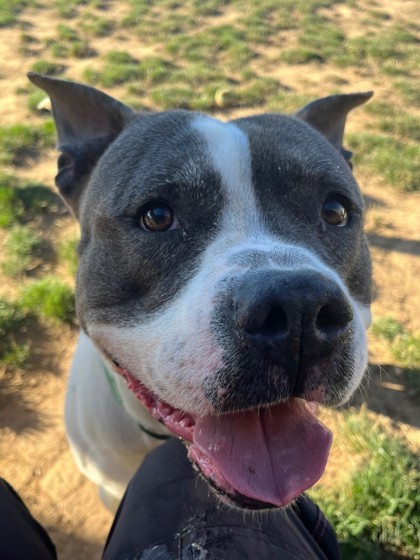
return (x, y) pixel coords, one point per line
(152, 434)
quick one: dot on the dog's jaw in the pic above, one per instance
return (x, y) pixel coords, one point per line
(224, 447)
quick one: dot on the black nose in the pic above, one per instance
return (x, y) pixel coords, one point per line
(287, 310)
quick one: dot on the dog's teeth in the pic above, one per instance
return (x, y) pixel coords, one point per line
(164, 409)
(186, 422)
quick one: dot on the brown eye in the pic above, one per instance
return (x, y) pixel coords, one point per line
(334, 213)
(157, 218)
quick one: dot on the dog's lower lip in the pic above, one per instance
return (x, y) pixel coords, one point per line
(177, 421)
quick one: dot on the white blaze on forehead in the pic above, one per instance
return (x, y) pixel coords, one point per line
(230, 156)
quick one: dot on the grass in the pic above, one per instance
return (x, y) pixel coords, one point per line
(12, 319)
(20, 247)
(69, 43)
(409, 91)
(395, 121)
(397, 161)
(34, 99)
(97, 26)
(11, 208)
(10, 10)
(404, 345)
(48, 68)
(67, 252)
(378, 508)
(22, 201)
(49, 298)
(20, 141)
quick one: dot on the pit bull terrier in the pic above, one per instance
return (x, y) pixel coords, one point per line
(223, 289)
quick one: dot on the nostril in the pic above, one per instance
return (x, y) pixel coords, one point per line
(273, 323)
(333, 317)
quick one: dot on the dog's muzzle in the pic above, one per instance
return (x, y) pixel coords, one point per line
(283, 326)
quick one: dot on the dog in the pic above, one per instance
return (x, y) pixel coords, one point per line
(223, 289)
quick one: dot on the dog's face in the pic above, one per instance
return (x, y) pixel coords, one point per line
(224, 271)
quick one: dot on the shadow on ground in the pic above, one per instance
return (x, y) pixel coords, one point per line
(392, 391)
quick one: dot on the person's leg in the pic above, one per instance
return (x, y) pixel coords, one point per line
(21, 536)
(169, 513)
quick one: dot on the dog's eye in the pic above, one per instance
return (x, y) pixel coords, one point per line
(334, 213)
(158, 218)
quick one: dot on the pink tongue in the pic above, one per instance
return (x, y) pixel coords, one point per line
(271, 455)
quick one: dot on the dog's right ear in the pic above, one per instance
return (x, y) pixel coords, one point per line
(87, 121)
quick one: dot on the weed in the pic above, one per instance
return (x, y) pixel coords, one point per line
(67, 9)
(47, 68)
(397, 161)
(10, 9)
(405, 346)
(20, 141)
(173, 97)
(300, 55)
(406, 349)
(378, 508)
(12, 319)
(387, 328)
(67, 252)
(395, 46)
(22, 201)
(223, 43)
(97, 27)
(321, 36)
(15, 356)
(11, 208)
(20, 247)
(34, 100)
(409, 91)
(391, 119)
(258, 91)
(49, 298)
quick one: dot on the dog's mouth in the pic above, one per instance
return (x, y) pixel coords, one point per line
(257, 458)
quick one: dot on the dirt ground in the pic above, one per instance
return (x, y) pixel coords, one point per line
(34, 454)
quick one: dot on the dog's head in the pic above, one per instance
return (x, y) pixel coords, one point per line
(224, 271)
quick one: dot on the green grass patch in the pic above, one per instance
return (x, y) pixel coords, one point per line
(121, 68)
(392, 48)
(97, 26)
(10, 10)
(397, 161)
(48, 68)
(321, 36)
(20, 247)
(34, 99)
(387, 328)
(409, 90)
(222, 44)
(67, 252)
(300, 55)
(69, 43)
(404, 345)
(19, 141)
(22, 201)
(11, 208)
(379, 507)
(397, 122)
(68, 9)
(12, 320)
(49, 298)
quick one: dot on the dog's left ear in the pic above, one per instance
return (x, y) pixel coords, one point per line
(328, 115)
(87, 121)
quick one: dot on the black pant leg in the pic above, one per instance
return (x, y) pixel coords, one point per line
(21, 536)
(168, 512)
